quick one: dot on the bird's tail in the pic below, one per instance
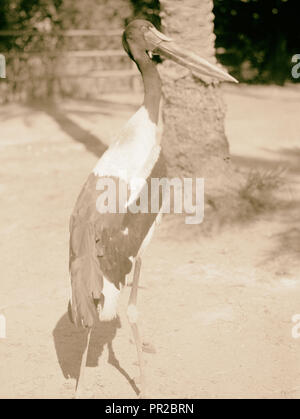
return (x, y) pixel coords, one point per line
(106, 310)
(86, 277)
(82, 308)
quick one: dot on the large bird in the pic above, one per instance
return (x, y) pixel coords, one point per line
(106, 245)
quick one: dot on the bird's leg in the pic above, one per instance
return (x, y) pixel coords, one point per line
(80, 380)
(132, 317)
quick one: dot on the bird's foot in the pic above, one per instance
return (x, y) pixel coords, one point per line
(148, 348)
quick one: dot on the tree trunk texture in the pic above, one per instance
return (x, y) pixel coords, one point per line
(194, 140)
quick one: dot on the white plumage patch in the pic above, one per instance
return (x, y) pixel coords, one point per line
(111, 296)
(135, 151)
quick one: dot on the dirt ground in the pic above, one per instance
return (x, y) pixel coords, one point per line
(217, 307)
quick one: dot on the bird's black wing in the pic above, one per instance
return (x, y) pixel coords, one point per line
(102, 245)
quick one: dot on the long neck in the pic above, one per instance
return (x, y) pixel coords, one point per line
(152, 86)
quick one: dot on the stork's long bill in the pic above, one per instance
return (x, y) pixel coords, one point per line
(162, 45)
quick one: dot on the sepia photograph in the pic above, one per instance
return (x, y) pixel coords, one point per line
(150, 195)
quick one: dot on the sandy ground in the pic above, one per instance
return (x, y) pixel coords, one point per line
(217, 307)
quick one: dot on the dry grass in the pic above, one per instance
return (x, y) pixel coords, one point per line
(260, 187)
(256, 193)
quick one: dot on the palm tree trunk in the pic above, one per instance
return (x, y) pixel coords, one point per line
(194, 141)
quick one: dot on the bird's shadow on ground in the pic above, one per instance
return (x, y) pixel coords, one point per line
(92, 143)
(70, 343)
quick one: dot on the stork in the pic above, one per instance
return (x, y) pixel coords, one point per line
(105, 247)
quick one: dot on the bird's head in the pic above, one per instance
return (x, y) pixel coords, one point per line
(137, 38)
(141, 40)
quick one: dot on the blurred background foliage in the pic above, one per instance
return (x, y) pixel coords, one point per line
(256, 39)
(147, 9)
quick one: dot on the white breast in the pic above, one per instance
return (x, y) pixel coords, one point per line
(134, 152)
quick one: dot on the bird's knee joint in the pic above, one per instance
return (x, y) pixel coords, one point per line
(132, 313)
